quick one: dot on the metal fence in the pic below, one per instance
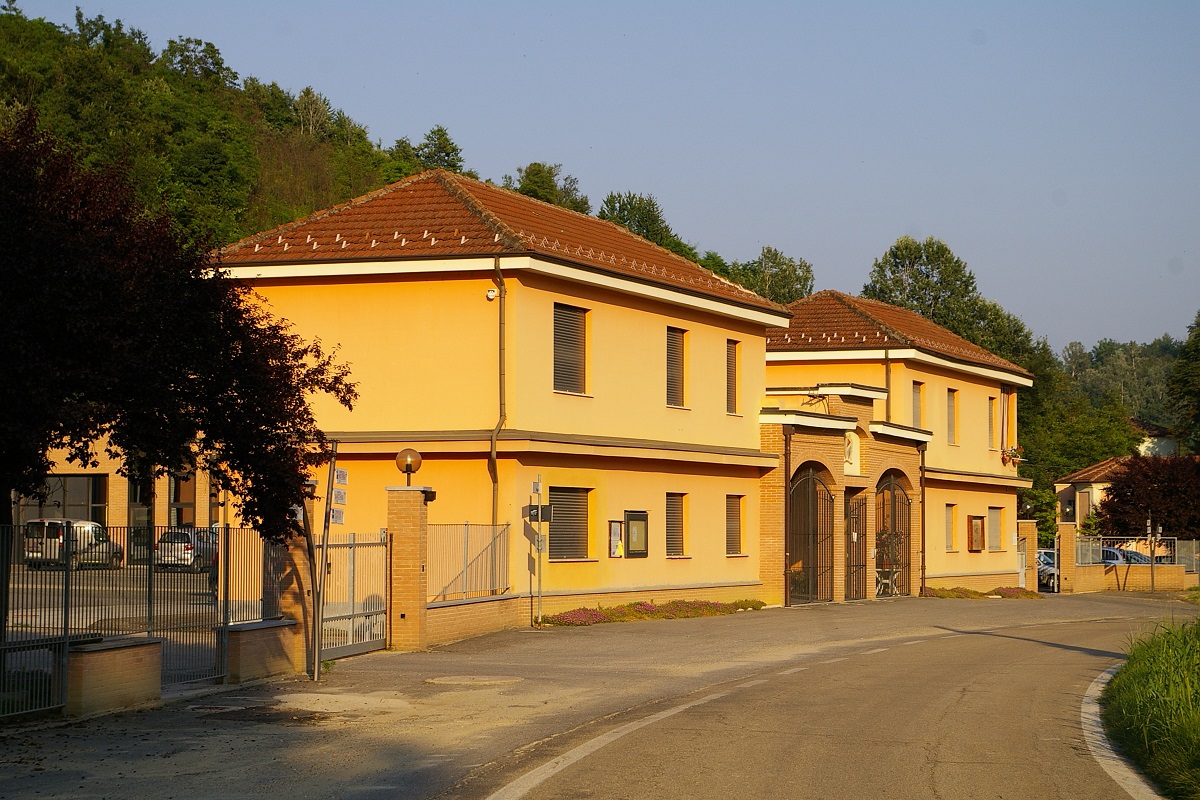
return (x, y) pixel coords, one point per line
(467, 561)
(183, 586)
(354, 591)
(1125, 550)
(1187, 552)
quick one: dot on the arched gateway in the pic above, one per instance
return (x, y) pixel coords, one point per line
(809, 557)
(893, 540)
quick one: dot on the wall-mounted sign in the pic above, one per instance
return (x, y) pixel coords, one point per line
(541, 513)
(637, 539)
(339, 497)
(337, 516)
(340, 477)
(616, 539)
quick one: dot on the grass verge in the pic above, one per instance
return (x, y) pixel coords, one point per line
(1151, 708)
(1003, 592)
(676, 609)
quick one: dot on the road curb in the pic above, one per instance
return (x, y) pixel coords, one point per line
(1119, 768)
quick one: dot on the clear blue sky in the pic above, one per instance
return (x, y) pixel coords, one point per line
(1053, 146)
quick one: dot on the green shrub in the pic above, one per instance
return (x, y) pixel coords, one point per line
(1151, 708)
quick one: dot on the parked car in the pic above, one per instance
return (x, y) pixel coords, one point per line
(46, 544)
(194, 549)
(1047, 569)
(1117, 555)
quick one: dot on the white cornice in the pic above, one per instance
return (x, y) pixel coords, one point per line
(907, 354)
(838, 389)
(900, 432)
(679, 297)
(769, 416)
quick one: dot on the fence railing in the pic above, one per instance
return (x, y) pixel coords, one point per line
(1125, 550)
(66, 585)
(1187, 552)
(467, 561)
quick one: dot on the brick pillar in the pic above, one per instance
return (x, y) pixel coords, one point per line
(1067, 534)
(771, 525)
(1027, 532)
(296, 593)
(408, 547)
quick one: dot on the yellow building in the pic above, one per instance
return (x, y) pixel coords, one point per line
(517, 345)
(900, 452)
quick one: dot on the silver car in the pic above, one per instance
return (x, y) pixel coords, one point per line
(52, 542)
(193, 549)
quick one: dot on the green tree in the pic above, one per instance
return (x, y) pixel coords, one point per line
(774, 276)
(641, 214)
(153, 355)
(928, 278)
(546, 182)
(1184, 387)
(438, 151)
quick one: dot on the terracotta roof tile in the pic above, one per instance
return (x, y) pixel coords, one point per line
(1100, 472)
(441, 214)
(831, 320)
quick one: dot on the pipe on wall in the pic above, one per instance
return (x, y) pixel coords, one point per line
(493, 469)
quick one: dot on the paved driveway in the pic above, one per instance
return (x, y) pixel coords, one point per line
(466, 720)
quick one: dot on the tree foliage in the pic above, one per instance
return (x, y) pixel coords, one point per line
(641, 214)
(1184, 386)
(546, 182)
(120, 333)
(1132, 374)
(225, 160)
(927, 278)
(1163, 489)
(773, 275)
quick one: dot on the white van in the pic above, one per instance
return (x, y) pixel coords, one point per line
(45, 544)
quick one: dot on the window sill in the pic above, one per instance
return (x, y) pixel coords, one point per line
(737, 555)
(679, 558)
(573, 560)
(572, 394)
(955, 550)
(734, 414)
(679, 408)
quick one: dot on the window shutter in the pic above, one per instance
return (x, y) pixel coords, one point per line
(731, 405)
(733, 524)
(951, 416)
(570, 348)
(569, 524)
(674, 367)
(674, 524)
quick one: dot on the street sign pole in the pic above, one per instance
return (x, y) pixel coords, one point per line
(540, 546)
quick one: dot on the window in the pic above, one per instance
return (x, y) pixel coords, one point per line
(995, 528)
(181, 504)
(69, 497)
(141, 502)
(1006, 428)
(733, 524)
(570, 349)
(951, 533)
(992, 423)
(569, 524)
(731, 381)
(952, 416)
(674, 517)
(974, 534)
(918, 405)
(675, 337)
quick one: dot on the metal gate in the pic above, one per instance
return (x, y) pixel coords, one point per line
(354, 613)
(892, 539)
(809, 557)
(856, 547)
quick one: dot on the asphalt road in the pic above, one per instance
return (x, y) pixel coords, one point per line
(901, 698)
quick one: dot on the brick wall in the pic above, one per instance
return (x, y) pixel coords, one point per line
(262, 649)
(451, 623)
(111, 675)
(408, 547)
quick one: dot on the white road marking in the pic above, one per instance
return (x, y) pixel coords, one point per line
(530, 780)
(876, 650)
(791, 671)
(748, 684)
(831, 661)
(914, 641)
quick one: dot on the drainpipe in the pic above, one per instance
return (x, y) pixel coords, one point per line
(921, 448)
(493, 470)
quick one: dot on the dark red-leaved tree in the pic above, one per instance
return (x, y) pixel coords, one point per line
(1163, 489)
(117, 334)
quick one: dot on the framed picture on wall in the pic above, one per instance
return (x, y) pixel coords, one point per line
(975, 533)
(637, 540)
(616, 538)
